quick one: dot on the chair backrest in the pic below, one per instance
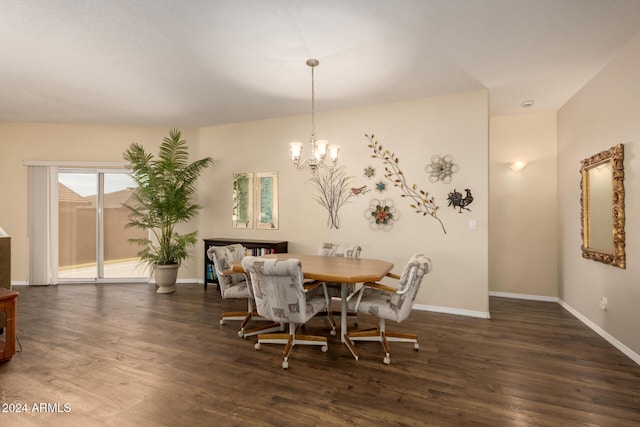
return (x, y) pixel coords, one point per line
(222, 258)
(278, 289)
(409, 284)
(344, 250)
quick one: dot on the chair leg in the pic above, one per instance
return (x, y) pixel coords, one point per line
(290, 340)
(379, 334)
(351, 346)
(248, 316)
(385, 347)
(329, 315)
(261, 330)
(351, 315)
(397, 337)
(234, 315)
(265, 329)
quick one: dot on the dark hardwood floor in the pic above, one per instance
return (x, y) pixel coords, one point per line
(122, 355)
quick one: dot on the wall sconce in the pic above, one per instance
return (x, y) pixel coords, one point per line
(517, 165)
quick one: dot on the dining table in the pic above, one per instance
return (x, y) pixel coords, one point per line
(343, 270)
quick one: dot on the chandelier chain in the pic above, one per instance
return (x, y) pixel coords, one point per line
(313, 104)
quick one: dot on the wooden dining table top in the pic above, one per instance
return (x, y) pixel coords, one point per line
(334, 269)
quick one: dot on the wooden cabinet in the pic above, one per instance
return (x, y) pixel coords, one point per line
(5, 270)
(8, 309)
(254, 247)
(5, 260)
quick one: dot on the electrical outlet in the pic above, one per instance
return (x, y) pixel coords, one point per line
(603, 304)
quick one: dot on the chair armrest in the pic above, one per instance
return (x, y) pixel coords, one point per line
(380, 287)
(373, 285)
(309, 286)
(393, 276)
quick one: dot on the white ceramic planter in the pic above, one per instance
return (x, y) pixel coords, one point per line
(166, 276)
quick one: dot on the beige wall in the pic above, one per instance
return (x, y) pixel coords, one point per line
(602, 114)
(523, 206)
(24, 142)
(415, 131)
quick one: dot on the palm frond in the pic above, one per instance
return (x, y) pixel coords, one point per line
(162, 199)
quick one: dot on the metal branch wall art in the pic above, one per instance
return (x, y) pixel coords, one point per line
(441, 168)
(333, 190)
(422, 203)
(381, 214)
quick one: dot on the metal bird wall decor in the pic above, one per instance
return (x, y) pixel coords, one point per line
(456, 200)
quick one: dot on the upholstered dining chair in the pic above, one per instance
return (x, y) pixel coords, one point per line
(334, 289)
(237, 285)
(340, 250)
(389, 303)
(282, 296)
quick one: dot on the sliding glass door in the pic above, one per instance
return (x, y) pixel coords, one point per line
(92, 239)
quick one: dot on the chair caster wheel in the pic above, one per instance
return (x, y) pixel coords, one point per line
(333, 333)
(285, 365)
(241, 333)
(416, 347)
(386, 360)
(258, 346)
(221, 321)
(324, 348)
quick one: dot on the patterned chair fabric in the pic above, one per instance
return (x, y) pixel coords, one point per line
(393, 306)
(278, 290)
(334, 249)
(231, 285)
(339, 250)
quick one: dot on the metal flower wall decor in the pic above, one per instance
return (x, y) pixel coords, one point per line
(441, 168)
(369, 172)
(381, 186)
(422, 202)
(381, 214)
(333, 190)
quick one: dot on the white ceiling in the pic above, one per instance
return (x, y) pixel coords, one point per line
(198, 63)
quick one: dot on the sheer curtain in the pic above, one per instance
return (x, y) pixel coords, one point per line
(42, 236)
(43, 214)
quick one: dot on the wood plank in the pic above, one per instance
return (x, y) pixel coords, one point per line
(120, 354)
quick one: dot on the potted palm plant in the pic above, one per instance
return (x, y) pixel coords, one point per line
(162, 200)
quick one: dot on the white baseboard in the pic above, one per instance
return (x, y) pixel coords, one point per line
(523, 296)
(189, 281)
(18, 283)
(604, 334)
(152, 281)
(597, 329)
(457, 311)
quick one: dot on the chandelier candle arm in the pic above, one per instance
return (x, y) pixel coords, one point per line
(319, 148)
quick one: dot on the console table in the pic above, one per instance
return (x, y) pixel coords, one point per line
(8, 305)
(254, 247)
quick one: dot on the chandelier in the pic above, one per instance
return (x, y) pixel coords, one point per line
(319, 148)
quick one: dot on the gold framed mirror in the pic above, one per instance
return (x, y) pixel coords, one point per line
(602, 201)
